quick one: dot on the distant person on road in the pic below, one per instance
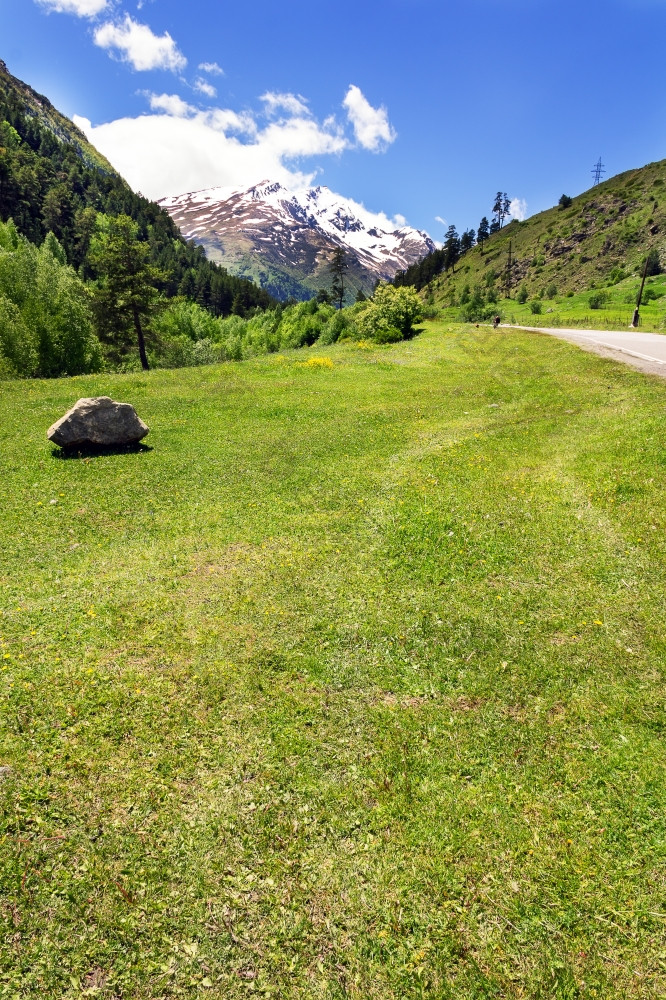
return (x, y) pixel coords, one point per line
(496, 322)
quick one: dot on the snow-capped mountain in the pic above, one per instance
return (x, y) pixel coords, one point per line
(284, 239)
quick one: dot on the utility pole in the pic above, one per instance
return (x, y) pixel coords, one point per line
(509, 265)
(598, 169)
(636, 317)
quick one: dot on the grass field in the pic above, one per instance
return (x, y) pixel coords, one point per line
(614, 313)
(350, 686)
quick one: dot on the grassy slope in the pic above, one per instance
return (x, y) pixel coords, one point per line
(612, 225)
(575, 311)
(351, 687)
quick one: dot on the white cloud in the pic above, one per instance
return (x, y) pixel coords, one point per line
(204, 87)
(81, 8)
(139, 46)
(177, 147)
(168, 154)
(289, 103)
(371, 126)
(171, 104)
(211, 68)
(400, 220)
(441, 221)
(518, 209)
(226, 120)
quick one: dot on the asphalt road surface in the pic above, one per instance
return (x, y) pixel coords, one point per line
(646, 351)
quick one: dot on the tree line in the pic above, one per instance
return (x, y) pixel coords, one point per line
(455, 246)
(47, 185)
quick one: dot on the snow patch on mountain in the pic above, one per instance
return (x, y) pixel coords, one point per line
(297, 228)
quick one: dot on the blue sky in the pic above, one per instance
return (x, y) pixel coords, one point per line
(420, 109)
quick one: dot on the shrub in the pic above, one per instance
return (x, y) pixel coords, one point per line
(652, 294)
(388, 335)
(522, 295)
(616, 275)
(653, 262)
(337, 326)
(551, 291)
(476, 309)
(564, 202)
(598, 300)
(399, 307)
(183, 318)
(535, 307)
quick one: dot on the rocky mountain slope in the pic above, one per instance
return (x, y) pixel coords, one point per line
(283, 240)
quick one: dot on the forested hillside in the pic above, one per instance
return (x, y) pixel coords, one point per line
(53, 180)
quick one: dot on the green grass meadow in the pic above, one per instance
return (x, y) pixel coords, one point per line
(351, 685)
(614, 313)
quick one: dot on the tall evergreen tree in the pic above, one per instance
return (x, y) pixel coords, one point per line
(501, 208)
(467, 240)
(451, 248)
(483, 232)
(126, 294)
(338, 268)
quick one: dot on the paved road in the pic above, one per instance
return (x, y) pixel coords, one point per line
(646, 351)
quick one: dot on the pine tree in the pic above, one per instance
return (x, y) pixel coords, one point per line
(467, 240)
(126, 294)
(451, 248)
(338, 268)
(501, 208)
(483, 232)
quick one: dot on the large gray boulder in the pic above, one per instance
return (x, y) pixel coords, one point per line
(98, 422)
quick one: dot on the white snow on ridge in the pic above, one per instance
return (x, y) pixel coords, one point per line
(272, 213)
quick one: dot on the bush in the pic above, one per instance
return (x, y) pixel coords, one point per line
(564, 202)
(522, 295)
(398, 307)
(536, 307)
(598, 300)
(651, 294)
(653, 263)
(616, 275)
(183, 318)
(388, 335)
(337, 326)
(551, 291)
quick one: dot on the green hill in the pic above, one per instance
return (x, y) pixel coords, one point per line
(597, 243)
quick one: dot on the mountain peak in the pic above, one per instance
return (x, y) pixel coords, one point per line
(284, 238)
